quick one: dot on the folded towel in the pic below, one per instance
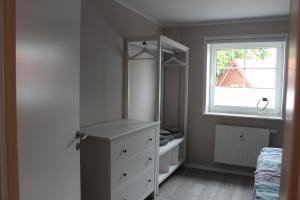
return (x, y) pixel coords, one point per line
(173, 130)
(168, 137)
(164, 132)
(177, 135)
(163, 142)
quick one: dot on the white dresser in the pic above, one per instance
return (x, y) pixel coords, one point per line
(119, 159)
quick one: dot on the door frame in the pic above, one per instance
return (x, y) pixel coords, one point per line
(290, 183)
(9, 188)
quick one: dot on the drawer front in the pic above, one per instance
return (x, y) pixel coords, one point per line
(136, 189)
(131, 168)
(131, 145)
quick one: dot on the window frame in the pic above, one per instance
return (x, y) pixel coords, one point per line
(247, 41)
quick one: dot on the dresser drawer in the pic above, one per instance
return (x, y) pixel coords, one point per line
(131, 168)
(131, 145)
(136, 189)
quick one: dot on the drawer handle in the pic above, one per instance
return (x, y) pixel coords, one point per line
(150, 158)
(124, 174)
(149, 180)
(150, 139)
(124, 151)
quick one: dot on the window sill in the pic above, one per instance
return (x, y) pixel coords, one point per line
(243, 116)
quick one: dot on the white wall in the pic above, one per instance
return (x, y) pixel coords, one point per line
(200, 146)
(105, 24)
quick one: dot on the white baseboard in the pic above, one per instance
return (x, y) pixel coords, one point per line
(215, 169)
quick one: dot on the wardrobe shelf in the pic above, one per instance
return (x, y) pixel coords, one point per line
(169, 146)
(172, 168)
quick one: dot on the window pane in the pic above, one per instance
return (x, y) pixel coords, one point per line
(243, 73)
(232, 77)
(246, 67)
(261, 78)
(260, 58)
(227, 67)
(242, 97)
(227, 56)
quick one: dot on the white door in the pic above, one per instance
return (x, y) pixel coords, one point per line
(48, 65)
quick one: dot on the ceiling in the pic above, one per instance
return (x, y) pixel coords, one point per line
(188, 12)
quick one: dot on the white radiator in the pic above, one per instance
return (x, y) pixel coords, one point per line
(236, 145)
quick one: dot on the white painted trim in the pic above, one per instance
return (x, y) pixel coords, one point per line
(211, 43)
(160, 80)
(139, 39)
(126, 82)
(230, 37)
(230, 21)
(271, 36)
(126, 5)
(206, 73)
(166, 40)
(216, 169)
(247, 116)
(278, 18)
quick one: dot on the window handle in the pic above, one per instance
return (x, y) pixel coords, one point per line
(264, 99)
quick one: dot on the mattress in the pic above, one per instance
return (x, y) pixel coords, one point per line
(267, 174)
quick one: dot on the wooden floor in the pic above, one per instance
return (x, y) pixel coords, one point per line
(191, 184)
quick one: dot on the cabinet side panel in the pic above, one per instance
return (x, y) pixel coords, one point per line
(95, 170)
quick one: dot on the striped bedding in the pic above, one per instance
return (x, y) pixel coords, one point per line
(267, 174)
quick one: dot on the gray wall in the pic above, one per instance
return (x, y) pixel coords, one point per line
(200, 146)
(104, 26)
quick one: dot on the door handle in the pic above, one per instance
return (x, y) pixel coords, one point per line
(81, 136)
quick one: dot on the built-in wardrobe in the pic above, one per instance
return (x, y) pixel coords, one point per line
(156, 77)
(125, 159)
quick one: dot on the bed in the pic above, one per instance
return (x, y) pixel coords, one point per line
(267, 174)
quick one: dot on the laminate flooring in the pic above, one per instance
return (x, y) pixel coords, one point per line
(192, 184)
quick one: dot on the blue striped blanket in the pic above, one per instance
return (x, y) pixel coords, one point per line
(267, 174)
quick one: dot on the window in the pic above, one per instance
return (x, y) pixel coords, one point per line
(245, 77)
